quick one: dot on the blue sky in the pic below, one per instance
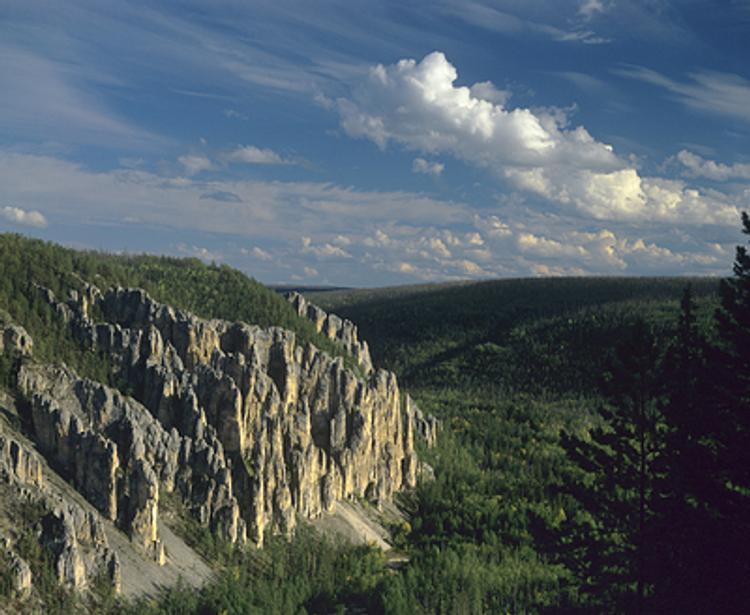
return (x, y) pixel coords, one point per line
(373, 143)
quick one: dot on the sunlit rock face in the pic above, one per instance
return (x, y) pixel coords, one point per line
(337, 329)
(250, 429)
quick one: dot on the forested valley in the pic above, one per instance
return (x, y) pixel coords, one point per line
(593, 456)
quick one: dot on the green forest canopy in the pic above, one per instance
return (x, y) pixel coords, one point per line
(517, 371)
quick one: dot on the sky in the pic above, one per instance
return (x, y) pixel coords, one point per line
(371, 143)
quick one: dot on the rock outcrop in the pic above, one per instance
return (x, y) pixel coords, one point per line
(119, 457)
(283, 430)
(73, 536)
(426, 426)
(345, 332)
(15, 340)
(335, 328)
(241, 427)
(79, 546)
(18, 465)
(20, 573)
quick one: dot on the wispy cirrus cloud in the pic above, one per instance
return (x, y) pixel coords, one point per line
(50, 100)
(586, 82)
(717, 93)
(248, 208)
(510, 18)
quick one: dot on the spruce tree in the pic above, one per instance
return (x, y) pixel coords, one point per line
(703, 509)
(619, 458)
(729, 494)
(733, 319)
(682, 524)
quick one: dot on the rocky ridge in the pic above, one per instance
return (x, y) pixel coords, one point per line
(248, 429)
(345, 332)
(335, 328)
(71, 533)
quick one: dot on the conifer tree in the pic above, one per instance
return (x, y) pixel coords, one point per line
(726, 566)
(620, 457)
(733, 319)
(684, 467)
(703, 509)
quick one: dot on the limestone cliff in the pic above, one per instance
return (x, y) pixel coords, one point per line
(248, 429)
(335, 328)
(73, 535)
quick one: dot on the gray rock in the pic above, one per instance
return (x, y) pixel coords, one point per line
(16, 340)
(335, 328)
(249, 428)
(21, 575)
(73, 536)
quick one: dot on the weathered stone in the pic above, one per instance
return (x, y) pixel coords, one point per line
(73, 536)
(426, 426)
(16, 340)
(92, 434)
(335, 328)
(17, 464)
(248, 427)
(20, 574)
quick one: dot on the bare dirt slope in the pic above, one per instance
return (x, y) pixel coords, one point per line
(360, 523)
(144, 578)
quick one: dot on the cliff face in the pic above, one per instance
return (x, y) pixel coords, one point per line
(302, 430)
(118, 456)
(72, 535)
(248, 429)
(335, 328)
(345, 333)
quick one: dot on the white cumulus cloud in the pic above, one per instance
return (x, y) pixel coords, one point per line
(696, 166)
(24, 217)
(528, 242)
(325, 250)
(419, 106)
(439, 248)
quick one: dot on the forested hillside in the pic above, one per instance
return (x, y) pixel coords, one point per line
(206, 290)
(593, 457)
(593, 454)
(526, 335)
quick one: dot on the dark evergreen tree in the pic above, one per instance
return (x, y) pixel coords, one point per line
(703, 505)
(726, 563)
(619, 459)
(733, 319)
(685, 467)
